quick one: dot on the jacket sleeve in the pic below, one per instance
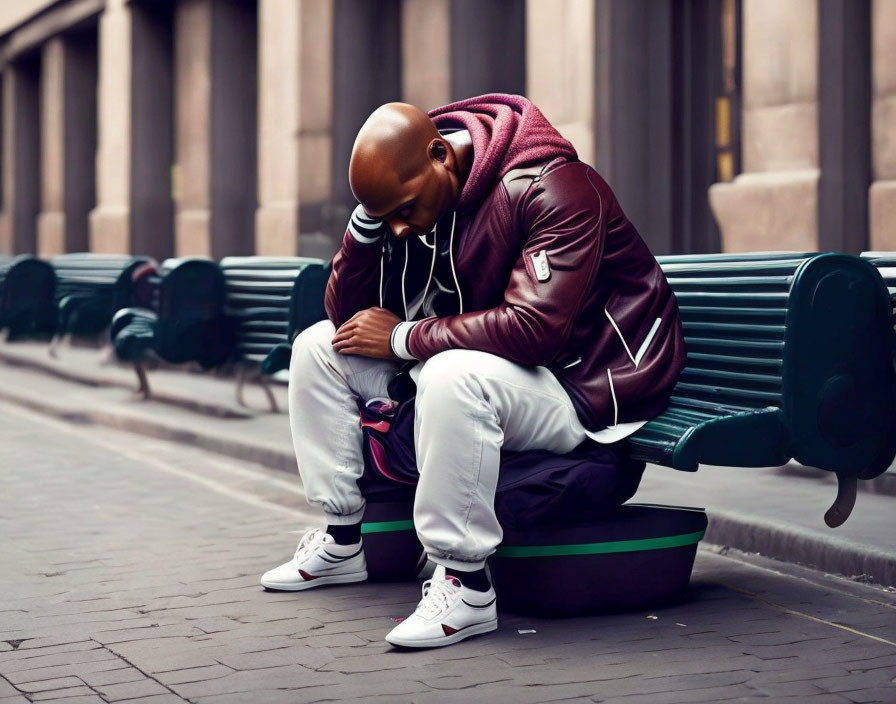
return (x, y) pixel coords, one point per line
(354, 280)
(565, 227)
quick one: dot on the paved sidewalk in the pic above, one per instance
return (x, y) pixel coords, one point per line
(767, 511)
(129, 571)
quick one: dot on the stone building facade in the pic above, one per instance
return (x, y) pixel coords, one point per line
(218, 127)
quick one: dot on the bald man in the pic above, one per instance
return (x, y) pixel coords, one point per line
(486, 255)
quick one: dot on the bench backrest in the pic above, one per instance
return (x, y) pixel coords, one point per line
(91, 287)
(190, 298)
(27, 297)
(885, 263)
(787, 357)
(260, 301)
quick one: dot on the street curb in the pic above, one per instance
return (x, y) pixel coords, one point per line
(789, 543)
(51, 367)
(223, 445)
(774, 539)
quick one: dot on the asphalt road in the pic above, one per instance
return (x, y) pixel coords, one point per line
(129, 571)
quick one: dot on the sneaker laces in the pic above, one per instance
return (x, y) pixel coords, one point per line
(438, 596)
(309, 543)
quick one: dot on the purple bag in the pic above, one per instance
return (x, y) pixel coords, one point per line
(533, 486)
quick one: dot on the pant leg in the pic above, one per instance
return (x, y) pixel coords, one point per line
(469, 405)
(323, 415)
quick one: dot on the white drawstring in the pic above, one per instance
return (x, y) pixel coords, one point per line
(404, 269)
(382, 273)
(451, 257)
(432, 266)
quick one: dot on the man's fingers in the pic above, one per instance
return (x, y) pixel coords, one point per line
(345, 333)
(346, 327)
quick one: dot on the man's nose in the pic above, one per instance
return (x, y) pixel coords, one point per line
(399, 227)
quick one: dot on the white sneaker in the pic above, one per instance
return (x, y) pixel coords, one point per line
(448, 613)
(319, 560)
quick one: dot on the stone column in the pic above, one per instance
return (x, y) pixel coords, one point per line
(634, 112)
(152, 144)
(560, 44)
(133, 212)
(215, 53)
(426, 53)
(487, 47)
(68, 142)
(294, 116)
(110, 227)
(21, 157)
(193, 101)
(453, 49)
(366, 74)
(773, 204)
(882, 194)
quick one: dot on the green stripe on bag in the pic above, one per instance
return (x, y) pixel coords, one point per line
(669, 541)
(386, 526)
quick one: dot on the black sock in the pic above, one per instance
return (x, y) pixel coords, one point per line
(476, 580)
(346, 535)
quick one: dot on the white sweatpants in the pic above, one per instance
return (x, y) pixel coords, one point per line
(469, 405)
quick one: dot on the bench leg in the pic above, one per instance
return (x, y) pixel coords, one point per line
(270, 394)
(142, 380)
(836, 515)
(241, 386)
(107, 355)
(55, 343)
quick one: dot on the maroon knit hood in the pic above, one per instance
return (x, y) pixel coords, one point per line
(508, 132)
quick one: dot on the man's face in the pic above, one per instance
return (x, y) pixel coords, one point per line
(415, 206)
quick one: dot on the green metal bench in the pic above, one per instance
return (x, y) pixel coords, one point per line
(181, 321)
(885, 263)
(27, 303)
(789, 356)
(267, 299)
(90, 288)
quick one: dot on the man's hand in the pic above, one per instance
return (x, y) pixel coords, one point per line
(367, 334)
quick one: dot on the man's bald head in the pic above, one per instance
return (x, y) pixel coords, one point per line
(391, 149)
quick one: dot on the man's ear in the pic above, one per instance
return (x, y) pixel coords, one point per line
(440, 151)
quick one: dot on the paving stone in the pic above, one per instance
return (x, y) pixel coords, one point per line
(130, 690)
(6, 688)
(866, 696)
(64, 695)
(194, 674)
(46, 685)
(117, 676)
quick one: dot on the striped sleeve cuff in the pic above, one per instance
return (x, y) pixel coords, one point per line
(364, 228)
(401, 333)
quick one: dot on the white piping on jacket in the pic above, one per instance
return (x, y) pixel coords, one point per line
(615, 405)
(647, 341)
(624, 343)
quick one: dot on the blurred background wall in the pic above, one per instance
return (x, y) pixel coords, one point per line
(217, 127)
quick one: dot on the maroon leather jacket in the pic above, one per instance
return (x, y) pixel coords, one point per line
(551, 273)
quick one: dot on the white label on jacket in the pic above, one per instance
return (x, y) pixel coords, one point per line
(542, 268)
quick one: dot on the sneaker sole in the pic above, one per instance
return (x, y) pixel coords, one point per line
(319, 582)
(479, 628)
